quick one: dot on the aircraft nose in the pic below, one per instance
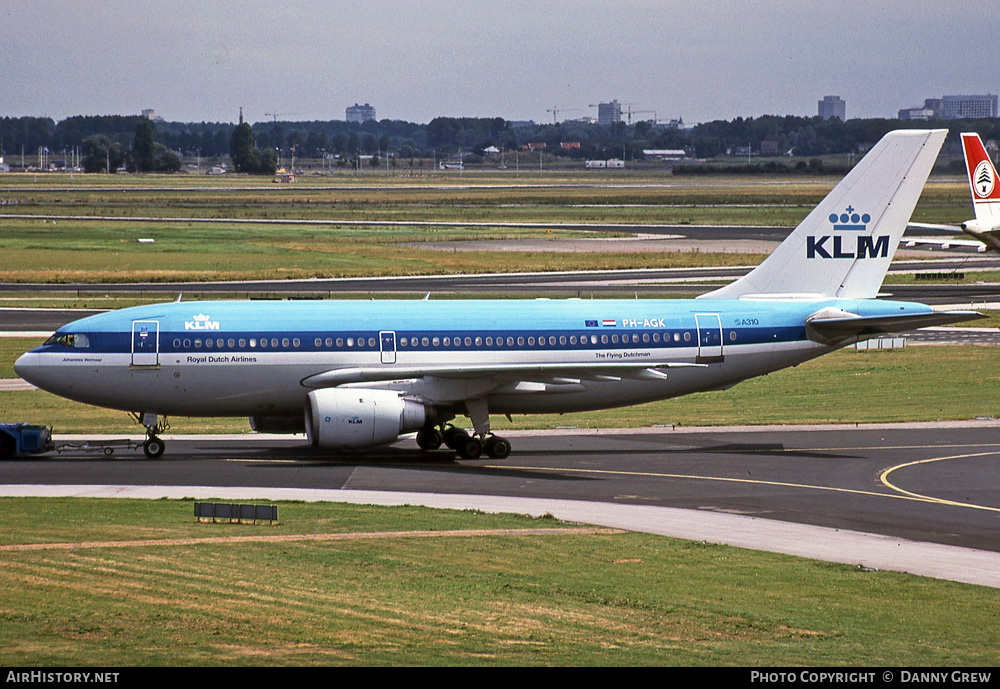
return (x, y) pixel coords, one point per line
(28, 367)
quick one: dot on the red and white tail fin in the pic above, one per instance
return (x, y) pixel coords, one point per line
(983, 182)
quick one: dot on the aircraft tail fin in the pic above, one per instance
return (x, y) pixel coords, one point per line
(982, 182)
(844, 246)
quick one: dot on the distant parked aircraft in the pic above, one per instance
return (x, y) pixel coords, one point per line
(985, 227)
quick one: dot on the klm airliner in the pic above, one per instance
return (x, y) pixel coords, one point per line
(356, 375)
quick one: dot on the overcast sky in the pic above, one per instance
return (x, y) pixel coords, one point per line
(200, 60)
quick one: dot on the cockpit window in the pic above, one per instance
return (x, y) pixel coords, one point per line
(77, 341)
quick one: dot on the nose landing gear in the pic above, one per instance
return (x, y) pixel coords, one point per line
(154, 445)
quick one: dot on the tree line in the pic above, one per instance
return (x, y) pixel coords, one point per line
(109, 142)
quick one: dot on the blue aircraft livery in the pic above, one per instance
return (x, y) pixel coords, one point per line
(354, 375)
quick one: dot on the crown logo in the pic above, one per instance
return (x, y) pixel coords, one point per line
(202, 317)
(850, 221)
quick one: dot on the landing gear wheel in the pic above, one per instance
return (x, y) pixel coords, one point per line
(429, 439)
(153, 447)
(470, 448)
(497, 447)
(454, 438)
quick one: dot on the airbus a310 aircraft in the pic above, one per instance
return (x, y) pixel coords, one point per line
(358, 374)
(985, 227)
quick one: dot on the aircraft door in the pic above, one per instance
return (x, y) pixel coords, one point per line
(387, 343)
(709, 337)
(145, 343)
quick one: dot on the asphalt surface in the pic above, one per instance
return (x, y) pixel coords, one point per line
(915, 498)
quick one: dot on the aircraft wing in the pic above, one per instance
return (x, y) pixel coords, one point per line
(829, 330)
(944, 242)
(984, 235)
(505, 373)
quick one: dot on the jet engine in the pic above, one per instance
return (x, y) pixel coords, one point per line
(278, 424)
(356, 418)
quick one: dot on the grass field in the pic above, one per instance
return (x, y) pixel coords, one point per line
(105, 250)
(459, 599)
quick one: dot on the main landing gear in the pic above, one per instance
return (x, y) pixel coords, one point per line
(467, 446)
(154, 445)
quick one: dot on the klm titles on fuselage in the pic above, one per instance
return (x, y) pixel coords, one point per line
(834, 245)
(201, 322)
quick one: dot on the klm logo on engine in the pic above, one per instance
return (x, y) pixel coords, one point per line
(843, 245)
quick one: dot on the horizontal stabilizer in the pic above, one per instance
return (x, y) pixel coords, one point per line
(930, 226)
(590, 371)
(845, 328)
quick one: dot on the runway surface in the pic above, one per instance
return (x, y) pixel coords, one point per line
(921, 498)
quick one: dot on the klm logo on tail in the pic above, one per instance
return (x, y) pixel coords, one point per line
(842, 246)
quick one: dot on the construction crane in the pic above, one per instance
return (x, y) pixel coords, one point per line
(274, 115)
(641, 112)
(556, 110)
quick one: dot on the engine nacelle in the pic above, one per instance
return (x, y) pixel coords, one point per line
(356, 418)
(278, 424)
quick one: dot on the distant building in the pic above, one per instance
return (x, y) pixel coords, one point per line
(769, 148)
(609, 113)
(360, 113)
(664, 153)
(833, 106)
(151, 115)
(953, 108)
(969, 107)
(931, 110)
